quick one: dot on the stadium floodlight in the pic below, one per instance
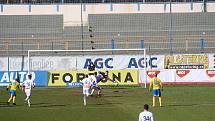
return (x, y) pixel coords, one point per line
(74, 53)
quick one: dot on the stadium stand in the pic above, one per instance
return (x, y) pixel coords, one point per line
(47, 32)
(23, 32)
(40, 26)
(19, 33)
(154, 28)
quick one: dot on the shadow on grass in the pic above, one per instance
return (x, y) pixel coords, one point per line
(109, 103)
(52, 105)
(34, 105)
(112, 96)
(39, 103)
(187, 105)
(180, 105)
(5, 105)
(3, 102)
(45, 105)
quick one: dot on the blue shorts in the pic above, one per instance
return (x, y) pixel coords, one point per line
(12, 92)
(156, 92)
(96, 87)
(99, 78)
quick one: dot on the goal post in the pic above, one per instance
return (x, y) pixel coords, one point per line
(141, 53)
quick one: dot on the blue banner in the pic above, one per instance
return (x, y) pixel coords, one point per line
(39, 77)
(75, 84)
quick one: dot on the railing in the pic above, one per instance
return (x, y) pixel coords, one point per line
(92, 1)
(17, 48)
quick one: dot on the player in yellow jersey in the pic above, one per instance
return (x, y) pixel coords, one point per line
(13, 86)
(156, 87)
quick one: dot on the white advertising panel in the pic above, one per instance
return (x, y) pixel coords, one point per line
(184, 76)
(109, 62)
(3, 64)
(211, 61)
(120, 62)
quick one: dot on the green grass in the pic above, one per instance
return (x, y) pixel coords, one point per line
(181, 103)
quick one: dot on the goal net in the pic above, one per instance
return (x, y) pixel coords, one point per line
(123, 65)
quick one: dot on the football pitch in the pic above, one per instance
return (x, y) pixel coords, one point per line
(181, 103)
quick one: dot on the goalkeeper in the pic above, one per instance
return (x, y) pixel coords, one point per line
(105, 75)
(102, 75)
(96, 79)
(91, 67)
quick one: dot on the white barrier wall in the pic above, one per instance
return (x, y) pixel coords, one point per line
(44, 9)
(180, 76)
(112, 62)
(152, 8)
(15, 10)
(210, 7)
(124, 8)
(98, 9)
(72, 12)
(188, 68)
(107, 62)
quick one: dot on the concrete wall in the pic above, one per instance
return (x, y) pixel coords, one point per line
(72, 12)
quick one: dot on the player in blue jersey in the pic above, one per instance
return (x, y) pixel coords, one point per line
(96, 79)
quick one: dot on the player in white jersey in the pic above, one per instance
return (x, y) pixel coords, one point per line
(146, 115)
(27, 86)
(87, 83)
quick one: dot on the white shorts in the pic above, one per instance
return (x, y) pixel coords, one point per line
(28, 92)
(86, 91)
